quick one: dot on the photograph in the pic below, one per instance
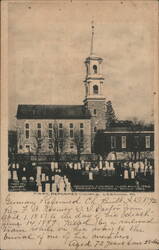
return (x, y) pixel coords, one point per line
(80, 99)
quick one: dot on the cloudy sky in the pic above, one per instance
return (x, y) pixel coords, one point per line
(48, 43)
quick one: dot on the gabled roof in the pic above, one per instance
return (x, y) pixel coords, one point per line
(52, 112)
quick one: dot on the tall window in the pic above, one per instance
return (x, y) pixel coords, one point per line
(94, 111)
(71, 125)
(147, 141)
(27, 134)
(50, 125)
(81, 133)
(81, 125)
(27, 125)
(60, 133)
(123, 141)
(113, 142)
(39, 125)
(71, 133)
(71, 130)
(50, 133)
(95, 89)
(60, 125)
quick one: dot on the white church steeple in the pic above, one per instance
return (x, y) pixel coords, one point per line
(94, 78)
(94, 99)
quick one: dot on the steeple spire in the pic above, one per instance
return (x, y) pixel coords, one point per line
(92, 38)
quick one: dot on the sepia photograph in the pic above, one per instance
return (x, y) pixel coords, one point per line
(79, 125)
(80, 100)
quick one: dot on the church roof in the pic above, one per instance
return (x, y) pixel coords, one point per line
(52, 112)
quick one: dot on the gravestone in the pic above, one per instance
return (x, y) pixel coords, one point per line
(90, 176)
(132, 174)
(126, 174)
(39, 188)
(54, 188)
(68, 187)
(43, 177)
(47, 187)
(15, 177)
(52, 166)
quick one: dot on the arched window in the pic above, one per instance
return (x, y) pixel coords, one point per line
(95, 89)
(95, 69)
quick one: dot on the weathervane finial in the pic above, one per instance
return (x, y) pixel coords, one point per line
(92, 26)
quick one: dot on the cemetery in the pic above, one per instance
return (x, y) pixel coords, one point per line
(82, 176)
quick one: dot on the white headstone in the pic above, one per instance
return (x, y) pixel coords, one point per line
(38, 180)
(111, 164)
(107, 164)
(24, 169)
(68, 187)
(100, 164)
(15, 177)
(75, 166)
(43, 177)
(132, 174)
(53, 177)
(39, 188)
(56, 165)
(54, 188)
(126, 175)
(87, 168)
(52, 166)
(151, 170)
(61, 186)
(47, 187)
(82, 163)
(23, 178)
(13, 165)
(38, 170)
(47, 178)
(79, 165)
(17, 165)
(9, 174)
(57, 177)
(31, 178)
(90, 176)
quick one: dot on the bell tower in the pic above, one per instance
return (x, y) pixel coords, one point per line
(94, 100)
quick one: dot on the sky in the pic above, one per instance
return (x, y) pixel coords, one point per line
(48, 43)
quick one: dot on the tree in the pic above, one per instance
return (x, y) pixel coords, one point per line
(37, 142)
(12, 145)
(101, 146)
(110, 114)
(136, 127)
(79, 141)
(57, 140)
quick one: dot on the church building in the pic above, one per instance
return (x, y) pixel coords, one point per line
(66, 127)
